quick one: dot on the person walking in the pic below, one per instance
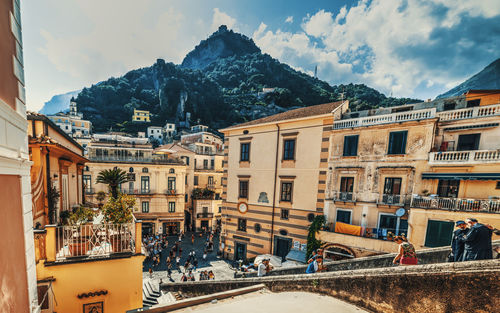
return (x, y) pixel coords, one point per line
(406, 255)
(316, 265)
(477, 242)
(457, 243)
(192, 239)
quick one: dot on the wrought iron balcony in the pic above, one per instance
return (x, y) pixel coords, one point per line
(456, 204)
(138, 191)
(390, 199)
(171, 192)
(464, 157)
(344, 196)
(204, 215)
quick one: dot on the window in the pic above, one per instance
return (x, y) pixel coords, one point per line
(289, 149)
(144, 184)
(257, 227)
(388, 222)
(196, 180)
(131, 170)
(242, 224)
(210, 180)
(498, 185)
(284, 214)
(212, 164)
(351, 145)
(343, 216)
(145, 206)
(397, 142)
(185, 180)
(243, 189)
(448, 188)
(171, 171)
(187, 160)
(346, 184)
(87, 182)
(468, 142)
(245, 152)
(438, 233)
(473, 103)
(205, 164)
(145, 170)
(171, 207)
(449, 106)
(286, 191)
(220, 209)
(171, 183)
(392, 186)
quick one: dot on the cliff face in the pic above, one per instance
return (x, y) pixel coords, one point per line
(488, 78)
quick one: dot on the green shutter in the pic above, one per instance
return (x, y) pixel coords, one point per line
(438, 233)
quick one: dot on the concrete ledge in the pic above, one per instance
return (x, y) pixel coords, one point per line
(204, 299)
(446, 287)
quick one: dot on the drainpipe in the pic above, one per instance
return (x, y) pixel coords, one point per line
(274, 187)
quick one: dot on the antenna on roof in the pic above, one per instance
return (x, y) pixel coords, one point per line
(316, 71)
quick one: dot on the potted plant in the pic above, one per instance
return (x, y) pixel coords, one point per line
(79, 243)
(101, 195)
(118, 211)
(64, 216)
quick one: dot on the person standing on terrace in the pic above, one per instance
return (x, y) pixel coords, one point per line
(406, 253)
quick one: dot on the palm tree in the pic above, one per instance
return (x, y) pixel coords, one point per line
(113, 178)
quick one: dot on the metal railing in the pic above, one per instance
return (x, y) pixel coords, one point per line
(375, 232)
(94, 240)
(474, 156)
(385, 118)
(456, 204)
(138, 191)
(390, 199)
(480, 111)
(171, 192)
(344, 196)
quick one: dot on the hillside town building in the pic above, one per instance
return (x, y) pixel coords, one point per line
(275, 171)
(141, 116)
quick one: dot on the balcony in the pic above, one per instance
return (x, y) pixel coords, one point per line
(171, 192)
(148, 160)
(211, 186)
(456, 204)
(89, 191)
(65, 243)
(480, 111)
(386, 119)
(397, 200)
(344, 196)
(138, 191)
(464, 157)
(204, 215)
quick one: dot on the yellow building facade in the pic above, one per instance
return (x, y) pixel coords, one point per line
(274, 180)
(141, 116)
(411, 170)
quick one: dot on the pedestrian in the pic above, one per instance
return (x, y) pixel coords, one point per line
(204, 255)
(195, 264)
(180, 238)
(178, 261)
(184, 277)
(180, 251)
(169, 270)
(261, 269)
(150, 272)
(316, 265)
(192, 239)
(457, 243)
(313, 256)
(211, 275)
(406, 255)
(477, 242)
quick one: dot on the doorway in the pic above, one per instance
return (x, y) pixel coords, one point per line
(282, 246)
(240, 251)
(204, 225)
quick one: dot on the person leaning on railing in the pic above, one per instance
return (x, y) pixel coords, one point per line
(407, 254)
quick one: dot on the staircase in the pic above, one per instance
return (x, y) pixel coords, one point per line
(150, 295)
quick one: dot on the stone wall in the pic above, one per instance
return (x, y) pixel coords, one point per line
(446, 287)
(427, 256)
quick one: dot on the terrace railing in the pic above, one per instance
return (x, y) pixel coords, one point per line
(385, 118)
(456, 204)
(480, 111)
(461, 157)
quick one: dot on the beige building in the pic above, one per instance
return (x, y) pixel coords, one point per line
(274, 180)
(73, 123)
(411, 170)
(156, 180)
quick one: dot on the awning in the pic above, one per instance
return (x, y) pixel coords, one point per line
(462, 176)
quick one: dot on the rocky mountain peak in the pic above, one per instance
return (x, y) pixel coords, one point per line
(221, 44)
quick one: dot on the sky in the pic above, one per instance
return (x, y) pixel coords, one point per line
(404, 48)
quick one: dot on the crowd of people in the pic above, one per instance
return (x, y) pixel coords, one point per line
(157, 245)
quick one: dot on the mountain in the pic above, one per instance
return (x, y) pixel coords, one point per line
(488, 78)
(224, 80)
(58, 103)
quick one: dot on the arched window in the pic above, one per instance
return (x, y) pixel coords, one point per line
(131, 170)
(171, 171)
(145, 170)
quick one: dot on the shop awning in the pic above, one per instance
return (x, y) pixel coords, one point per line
(462, 176)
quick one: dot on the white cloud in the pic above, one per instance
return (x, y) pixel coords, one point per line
(289, 19)
(388, 44)
(221, 18)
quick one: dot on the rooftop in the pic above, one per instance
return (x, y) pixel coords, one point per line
(309, 111)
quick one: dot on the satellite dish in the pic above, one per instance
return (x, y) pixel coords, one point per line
(400, 212)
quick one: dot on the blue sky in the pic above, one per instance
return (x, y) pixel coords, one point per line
(407, 48)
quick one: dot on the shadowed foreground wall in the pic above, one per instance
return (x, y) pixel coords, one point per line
(446, 287)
